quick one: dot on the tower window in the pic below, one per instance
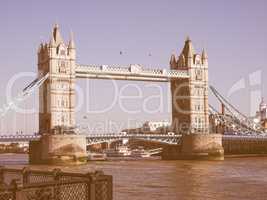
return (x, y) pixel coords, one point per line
(62, 52)
(198, 74)
(62, 103)
(62, 66)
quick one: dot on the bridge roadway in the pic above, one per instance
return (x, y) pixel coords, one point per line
(100, 138)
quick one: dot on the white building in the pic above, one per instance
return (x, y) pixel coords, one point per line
(153, 126)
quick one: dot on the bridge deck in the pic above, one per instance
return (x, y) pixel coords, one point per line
(99, 138)
(132, 72)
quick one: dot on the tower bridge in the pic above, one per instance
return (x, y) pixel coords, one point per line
(57, 74)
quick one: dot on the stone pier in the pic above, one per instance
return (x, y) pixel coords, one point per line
(196, 147)
(58, 149)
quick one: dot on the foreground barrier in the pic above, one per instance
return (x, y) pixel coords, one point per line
(26, 184)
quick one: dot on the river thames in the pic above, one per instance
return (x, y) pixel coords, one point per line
(234, 178)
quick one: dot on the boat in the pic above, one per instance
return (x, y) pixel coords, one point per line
(96, 156)
(121, 151)
(140, 152)
(124, 151)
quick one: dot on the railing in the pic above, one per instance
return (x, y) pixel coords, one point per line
(25, 184)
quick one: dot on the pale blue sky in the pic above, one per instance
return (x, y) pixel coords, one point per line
(233, 32)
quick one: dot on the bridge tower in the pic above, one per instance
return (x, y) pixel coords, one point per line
(57, 94)
(190, 96)
(58, 143)
(190, 108)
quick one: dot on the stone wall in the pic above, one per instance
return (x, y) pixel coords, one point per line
(231, 146)
(245, 146)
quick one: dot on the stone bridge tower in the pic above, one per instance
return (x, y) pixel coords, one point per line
(58, 143)
(57, 94)
(190, 107)
(190, 96)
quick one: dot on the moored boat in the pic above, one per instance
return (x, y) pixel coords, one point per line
(97, 156)
(121, 151)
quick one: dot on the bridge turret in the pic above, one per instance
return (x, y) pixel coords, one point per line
(40, 51)
(71, 47)
(52, 47)
(173, 62)
(188, 52)
(204, 57)
(181, 60)
(56, 35)
(52, 42)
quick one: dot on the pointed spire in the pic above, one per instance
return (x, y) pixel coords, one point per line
(52, 42)
(181, 60)
(188, 38)
(56, 34)
(173, 63)
(173, 59)
(40, 48)
(204, 55)
(188, 49)
(71, 42)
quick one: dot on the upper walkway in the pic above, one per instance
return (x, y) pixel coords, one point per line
(132, 72)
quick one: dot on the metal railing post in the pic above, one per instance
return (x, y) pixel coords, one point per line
(91, 186)
(25, 176)
(57, 177)
(2, 178)
(57, 174)
(110, 187)
(14, 189)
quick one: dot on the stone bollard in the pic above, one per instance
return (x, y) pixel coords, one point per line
(25, 176)
(14, 188)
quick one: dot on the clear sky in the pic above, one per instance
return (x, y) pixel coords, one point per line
(234, 34)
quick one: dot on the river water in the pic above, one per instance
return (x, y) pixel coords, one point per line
(233, 178)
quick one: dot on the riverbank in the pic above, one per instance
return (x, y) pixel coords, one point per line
(245, 155)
